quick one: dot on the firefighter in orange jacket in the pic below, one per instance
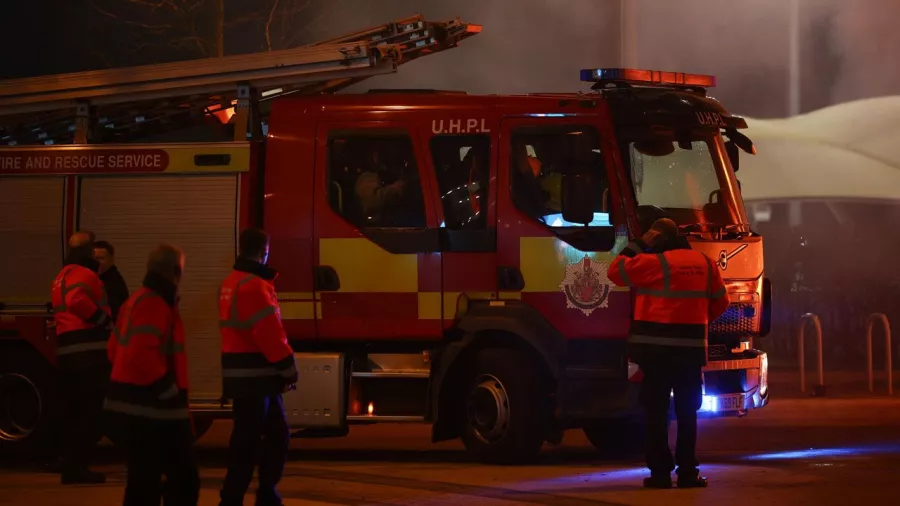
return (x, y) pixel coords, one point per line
(679, 291)
(81, 313)
(147, 403)
(257, 367)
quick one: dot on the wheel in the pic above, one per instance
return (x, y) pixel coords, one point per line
(27, 394)
(506, 408)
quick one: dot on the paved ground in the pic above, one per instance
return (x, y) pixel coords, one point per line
(797, 452)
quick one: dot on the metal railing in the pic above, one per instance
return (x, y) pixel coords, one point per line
(820, 388)
(888, 350)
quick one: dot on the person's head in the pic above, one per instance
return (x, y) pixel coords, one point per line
(167, 261)
(105, 255)
(81, 245)
(254, 245)
(661, 232)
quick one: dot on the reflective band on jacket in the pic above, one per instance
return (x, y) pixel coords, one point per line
(667, 341)
(78, 348)
(68, 288)
(234, 322)
(257, 372)
(167, 346)
(145, 411)
(624, 273)
(667, 292)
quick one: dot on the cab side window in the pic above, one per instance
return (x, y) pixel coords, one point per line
(373, 180)
(541, 157)
(462, 163)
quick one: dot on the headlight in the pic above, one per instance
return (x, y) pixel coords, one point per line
(763, 374)
(742, 286)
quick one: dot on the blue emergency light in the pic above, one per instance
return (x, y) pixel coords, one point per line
(648, 78)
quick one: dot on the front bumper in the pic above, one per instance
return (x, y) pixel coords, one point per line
(734, 387)
(730, 387)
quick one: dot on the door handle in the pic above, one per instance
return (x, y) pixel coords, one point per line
(325, 279)
(510, 278)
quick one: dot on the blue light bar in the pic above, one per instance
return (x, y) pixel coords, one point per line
(648, 77)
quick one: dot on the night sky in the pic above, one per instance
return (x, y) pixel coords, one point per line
(848, 47)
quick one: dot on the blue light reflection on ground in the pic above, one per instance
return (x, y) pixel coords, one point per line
(632, 476)
(814, 453)
(599, 476)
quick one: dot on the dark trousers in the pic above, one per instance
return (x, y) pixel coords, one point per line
(81, 396)
(155, 449)
(686, 383)
(260, 436)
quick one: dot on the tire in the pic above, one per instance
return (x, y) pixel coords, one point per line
(505, 408)
(27, 406)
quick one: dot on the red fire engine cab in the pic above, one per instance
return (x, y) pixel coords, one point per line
(442, 256)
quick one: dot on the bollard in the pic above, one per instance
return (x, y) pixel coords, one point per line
(820, 388)
(888, 367)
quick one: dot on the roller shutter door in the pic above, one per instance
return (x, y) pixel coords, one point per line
(31, 236)
(196, 213)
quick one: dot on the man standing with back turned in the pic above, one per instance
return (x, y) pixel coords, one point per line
(148, 393)
(82, 317)
(257, 367)
(679, 291)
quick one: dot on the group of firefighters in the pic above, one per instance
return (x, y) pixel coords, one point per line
(132, 368)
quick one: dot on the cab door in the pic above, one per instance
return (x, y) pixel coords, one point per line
(374, 233)
(463, 165)
(561, 267)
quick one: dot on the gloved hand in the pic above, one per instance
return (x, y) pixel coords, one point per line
(291, 383)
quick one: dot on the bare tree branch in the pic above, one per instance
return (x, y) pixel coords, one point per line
(269, 25)
(186, 29)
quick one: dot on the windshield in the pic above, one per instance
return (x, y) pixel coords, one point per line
(541, 156)
(690, 180)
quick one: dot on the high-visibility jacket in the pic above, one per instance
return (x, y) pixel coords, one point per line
(256, 356)
(678, 293)
(81, 313)
(150, 371)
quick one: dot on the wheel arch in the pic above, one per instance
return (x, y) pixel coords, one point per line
(514, 326)
(20, 357)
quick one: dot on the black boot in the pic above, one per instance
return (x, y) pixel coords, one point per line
(82, 476)
(692, 481)
(658, 481)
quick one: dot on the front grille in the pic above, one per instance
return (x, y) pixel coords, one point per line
(737, 321)
(717, 351)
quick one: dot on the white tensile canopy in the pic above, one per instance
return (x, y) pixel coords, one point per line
(846, 151)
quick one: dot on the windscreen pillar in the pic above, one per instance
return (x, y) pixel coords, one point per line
(247, 121)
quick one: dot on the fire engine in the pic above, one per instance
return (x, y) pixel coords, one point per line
(442, 256)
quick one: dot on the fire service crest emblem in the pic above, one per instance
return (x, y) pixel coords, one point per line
(586, 285)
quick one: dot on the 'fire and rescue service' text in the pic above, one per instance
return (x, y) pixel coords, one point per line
(93, 161)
